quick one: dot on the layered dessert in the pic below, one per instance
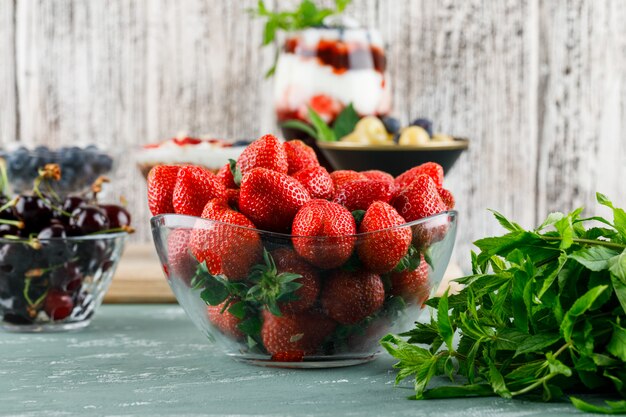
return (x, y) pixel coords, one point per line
(210, 153)
(328, 68)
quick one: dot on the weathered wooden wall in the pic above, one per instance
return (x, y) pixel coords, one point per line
(538, 85)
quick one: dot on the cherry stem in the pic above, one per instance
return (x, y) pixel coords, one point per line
(46, 200)
(11, 203)
(4, 179)
(17, 223)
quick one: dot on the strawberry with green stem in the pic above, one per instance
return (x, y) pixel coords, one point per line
(272, 288)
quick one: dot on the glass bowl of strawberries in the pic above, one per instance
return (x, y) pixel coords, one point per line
(284, 264)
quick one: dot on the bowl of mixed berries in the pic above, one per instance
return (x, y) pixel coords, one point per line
(57, 254)
(285, 264)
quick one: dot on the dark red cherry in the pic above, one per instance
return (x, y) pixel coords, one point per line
(118, 216)
(58, 305)
(89, 219)
(7, 229)
(71, 203)
(52, 231)
(33, 211)
(66, 278)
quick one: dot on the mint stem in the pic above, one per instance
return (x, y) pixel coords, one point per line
(588, 242)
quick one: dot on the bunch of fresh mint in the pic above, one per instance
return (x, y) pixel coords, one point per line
(543, 315)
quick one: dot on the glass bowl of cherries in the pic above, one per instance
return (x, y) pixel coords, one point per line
(57, 254)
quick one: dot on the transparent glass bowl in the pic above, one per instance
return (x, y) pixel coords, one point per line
(55, 284)
(334, 327)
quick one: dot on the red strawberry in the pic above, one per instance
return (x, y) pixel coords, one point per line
(358, 195)
(224, 321)
(225, 174)
(325, 233)
(288, 261)
(317, 181)
(432, 169)
(181, 264)
(349, 297)
(299, 156)
(344, 176)
(226, 249)
(413, 286)
(266, 152)
(287, 335)
(161, 182)
(447, 197)
(271, 199)
(420, 199)
(375, 174)
(381, 251)
(232, 196)
(195, 186)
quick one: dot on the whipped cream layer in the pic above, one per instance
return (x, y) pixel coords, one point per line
(299, 78)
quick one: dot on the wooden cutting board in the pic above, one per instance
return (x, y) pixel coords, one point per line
(140, 279)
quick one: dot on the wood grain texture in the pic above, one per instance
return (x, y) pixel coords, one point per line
(538, 86)
(8, 113)
(582, 146)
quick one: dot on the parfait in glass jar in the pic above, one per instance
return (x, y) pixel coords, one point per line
(327, 68)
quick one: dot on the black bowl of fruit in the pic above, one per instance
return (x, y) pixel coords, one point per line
(81, 166)
(57, 255)
(368, 143)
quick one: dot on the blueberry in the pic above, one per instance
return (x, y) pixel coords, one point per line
(42, 150)
(242, 142)
(106, 163)
(425, 124)
(392, 125)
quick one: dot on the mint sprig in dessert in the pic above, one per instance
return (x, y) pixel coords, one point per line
(306, 15)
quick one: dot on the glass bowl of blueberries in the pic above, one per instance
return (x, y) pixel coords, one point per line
(58, 254)
(81, 166)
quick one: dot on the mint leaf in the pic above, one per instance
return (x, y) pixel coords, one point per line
(443, 321)
(617, 344)
(619, 215)
(617, 266)
(620, 290)
(506, 223)
(324, 133)
(301, 126)
(496, 379)
(537, 343)
(345, 122)
(618, 407)
(473, 390)
(594, 258)
(550, 220)
(581, 305)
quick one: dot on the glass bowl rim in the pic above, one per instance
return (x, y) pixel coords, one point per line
(86, 238)
(155, 220)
